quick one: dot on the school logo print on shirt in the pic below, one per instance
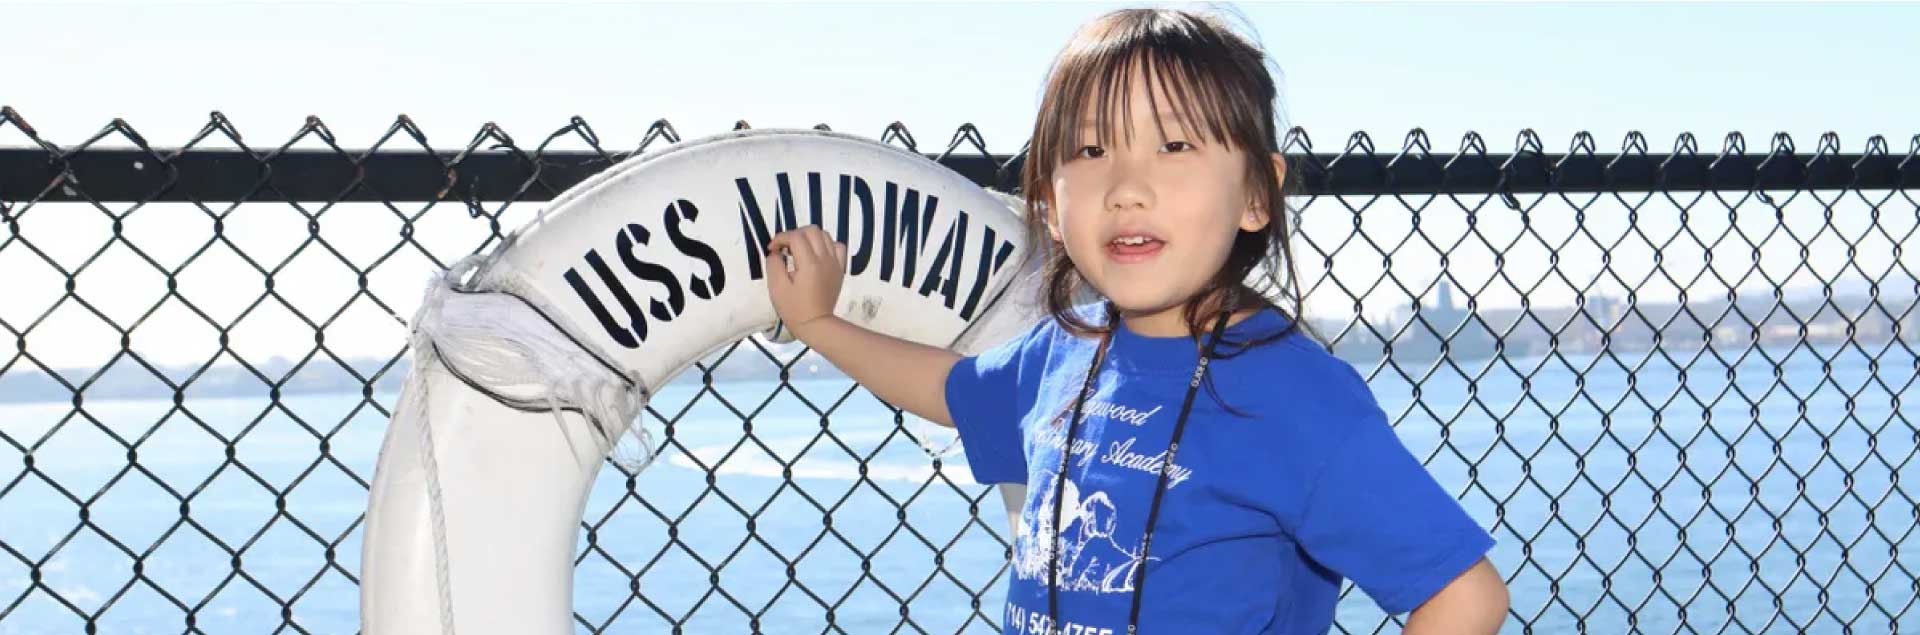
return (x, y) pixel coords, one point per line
(1091, 557)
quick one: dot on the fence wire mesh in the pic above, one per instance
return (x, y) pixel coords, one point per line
(1675, 386)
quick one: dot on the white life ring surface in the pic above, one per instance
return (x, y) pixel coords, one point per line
(528, 369)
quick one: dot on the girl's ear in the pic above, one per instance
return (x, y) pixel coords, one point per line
(1256, 217)
(1053, 222)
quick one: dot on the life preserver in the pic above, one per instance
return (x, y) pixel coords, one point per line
(530, 361)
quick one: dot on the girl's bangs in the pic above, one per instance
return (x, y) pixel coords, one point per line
(1093, 89)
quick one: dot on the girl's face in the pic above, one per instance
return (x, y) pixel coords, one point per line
(1150, 219)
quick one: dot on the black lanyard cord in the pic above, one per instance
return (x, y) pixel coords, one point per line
(1159, 490)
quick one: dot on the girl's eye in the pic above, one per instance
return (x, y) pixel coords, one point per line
(1083, 152)
(1182, 145)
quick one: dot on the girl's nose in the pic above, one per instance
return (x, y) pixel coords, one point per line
(1128, 190)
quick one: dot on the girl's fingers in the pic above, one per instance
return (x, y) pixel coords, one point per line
(832, 252)
(779, 245)
(797, 249)
(779, 241)
(808, 246)
(803, 256)
(818, 238)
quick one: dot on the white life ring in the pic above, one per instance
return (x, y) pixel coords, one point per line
(526, 371)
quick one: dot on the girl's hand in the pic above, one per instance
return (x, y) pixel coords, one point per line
(810, 291)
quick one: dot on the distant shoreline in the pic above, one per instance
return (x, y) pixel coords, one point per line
(1607, 325)
(127, 380)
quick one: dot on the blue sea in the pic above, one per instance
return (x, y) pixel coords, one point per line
(1710, 490)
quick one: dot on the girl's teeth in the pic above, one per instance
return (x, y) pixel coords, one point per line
(1134, 248)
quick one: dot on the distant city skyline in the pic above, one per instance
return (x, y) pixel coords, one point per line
(1417, 327)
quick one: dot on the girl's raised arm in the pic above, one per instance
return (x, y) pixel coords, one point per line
(906, 374)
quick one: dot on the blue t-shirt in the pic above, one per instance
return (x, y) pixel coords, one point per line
(1264, 513)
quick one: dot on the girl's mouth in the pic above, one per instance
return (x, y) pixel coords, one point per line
(1133, 249)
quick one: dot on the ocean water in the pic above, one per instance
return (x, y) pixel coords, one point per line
(1718, 491)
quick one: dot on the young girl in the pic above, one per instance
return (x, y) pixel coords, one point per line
(1154, 168)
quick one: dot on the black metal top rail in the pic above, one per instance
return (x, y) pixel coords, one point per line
(493, 168)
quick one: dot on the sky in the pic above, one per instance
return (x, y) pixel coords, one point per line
(1384, 69)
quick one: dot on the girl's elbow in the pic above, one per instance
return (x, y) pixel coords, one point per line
(1498, 602)
(1492, 588)
(1475, 602)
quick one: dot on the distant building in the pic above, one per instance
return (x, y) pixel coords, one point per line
(1427, 332)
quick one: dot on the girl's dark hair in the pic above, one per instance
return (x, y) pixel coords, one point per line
(1219, 81)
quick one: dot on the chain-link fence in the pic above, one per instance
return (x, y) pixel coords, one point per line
(1674, 384)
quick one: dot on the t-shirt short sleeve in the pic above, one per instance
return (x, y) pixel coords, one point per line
(1376, 516)
(985, 399)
